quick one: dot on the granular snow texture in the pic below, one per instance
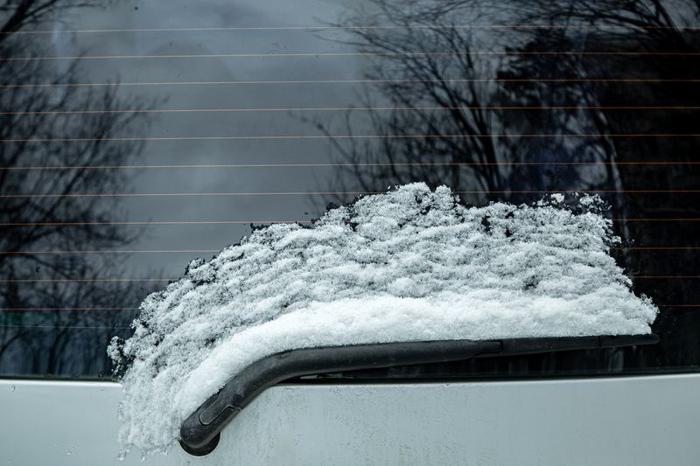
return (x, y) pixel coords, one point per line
(411, 264)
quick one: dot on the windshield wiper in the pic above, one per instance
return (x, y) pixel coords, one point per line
(200, 432)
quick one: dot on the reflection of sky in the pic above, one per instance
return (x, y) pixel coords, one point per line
(179, 14)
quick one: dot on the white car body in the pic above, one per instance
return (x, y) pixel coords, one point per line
(618, 421)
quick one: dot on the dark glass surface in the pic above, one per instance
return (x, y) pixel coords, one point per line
(136, 136)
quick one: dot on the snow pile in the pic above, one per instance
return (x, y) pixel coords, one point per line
(411, 264)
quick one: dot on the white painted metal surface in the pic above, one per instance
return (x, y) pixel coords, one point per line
(612, 421)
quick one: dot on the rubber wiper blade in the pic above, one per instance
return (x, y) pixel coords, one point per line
(199, 433)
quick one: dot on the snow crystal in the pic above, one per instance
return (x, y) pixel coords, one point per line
(411, 264)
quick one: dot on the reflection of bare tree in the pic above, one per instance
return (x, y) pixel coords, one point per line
(52, 341)
(481, 113)
(438, 119)
(657, 20)
(647, 25)
(457, 120)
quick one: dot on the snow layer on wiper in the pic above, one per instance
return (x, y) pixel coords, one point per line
(411, 264)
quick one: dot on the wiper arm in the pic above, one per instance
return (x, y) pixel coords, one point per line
(200, 432)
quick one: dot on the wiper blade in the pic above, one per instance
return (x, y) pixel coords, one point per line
(200, 432)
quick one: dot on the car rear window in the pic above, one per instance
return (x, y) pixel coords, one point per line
(137, 136)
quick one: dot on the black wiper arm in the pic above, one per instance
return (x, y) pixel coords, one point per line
(199, 433)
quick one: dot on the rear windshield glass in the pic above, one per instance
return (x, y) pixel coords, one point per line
(136, 136)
